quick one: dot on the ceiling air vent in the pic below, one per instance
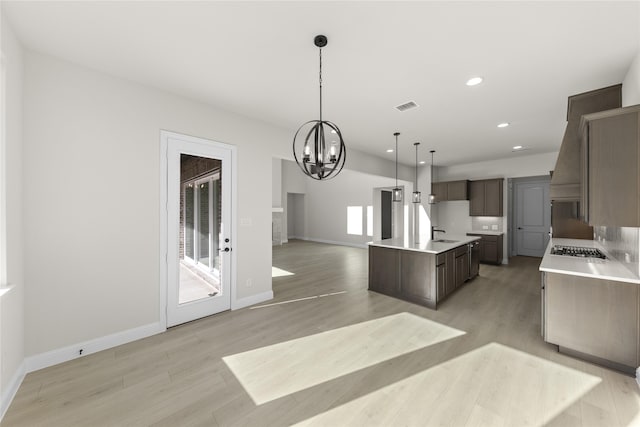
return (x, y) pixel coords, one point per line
(406, 106)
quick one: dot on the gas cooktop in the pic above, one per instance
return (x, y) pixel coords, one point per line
(577, 251)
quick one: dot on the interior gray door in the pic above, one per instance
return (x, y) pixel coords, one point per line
(533, 217)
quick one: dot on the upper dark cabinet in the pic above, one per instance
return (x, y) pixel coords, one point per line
(450, 190)
(485, 197)
(611, 180)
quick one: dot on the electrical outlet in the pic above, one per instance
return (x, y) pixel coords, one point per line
(246, 222)
(494, 227)
(485, 227)
(249, 283)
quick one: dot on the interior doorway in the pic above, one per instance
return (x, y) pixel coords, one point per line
(386, 214)
(531, 215)
(295, 216)
(197, 230)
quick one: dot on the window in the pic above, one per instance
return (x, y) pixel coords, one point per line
(354, 220)
(369, 220)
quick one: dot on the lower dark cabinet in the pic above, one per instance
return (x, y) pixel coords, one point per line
(490, 248)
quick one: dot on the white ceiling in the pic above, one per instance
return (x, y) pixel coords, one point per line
(258, 59)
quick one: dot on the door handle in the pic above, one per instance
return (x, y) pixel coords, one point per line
(224, 250)
(519, 228)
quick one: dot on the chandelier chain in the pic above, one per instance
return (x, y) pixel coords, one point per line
(320, 80)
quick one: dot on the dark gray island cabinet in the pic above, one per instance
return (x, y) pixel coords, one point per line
(424, 273)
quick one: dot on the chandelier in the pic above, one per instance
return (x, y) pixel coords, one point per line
(318, 147)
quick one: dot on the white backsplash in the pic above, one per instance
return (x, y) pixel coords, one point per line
(623, 243)
(452, 216)
(492, 223)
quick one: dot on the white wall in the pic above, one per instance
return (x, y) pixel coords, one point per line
(276, 183)
(12, 301)
(91, 198)
(631, 84)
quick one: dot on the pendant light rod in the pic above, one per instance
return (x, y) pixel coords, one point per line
(396, 135)
(416, 144)
(432, 197)
(416, 192)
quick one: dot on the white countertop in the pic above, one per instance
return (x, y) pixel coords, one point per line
(428, 246)
(606, 269)
(486, 232)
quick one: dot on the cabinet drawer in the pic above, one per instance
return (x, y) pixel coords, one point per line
(461, 250)
(492, 239)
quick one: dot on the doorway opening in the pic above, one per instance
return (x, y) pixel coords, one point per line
(386, 214)
(295, 216)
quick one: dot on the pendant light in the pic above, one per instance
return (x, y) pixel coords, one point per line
(397, 191)
(416, 193)
(318, 158)
(432, 197)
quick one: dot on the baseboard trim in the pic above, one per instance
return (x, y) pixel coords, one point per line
(61, 355)
(253, 299)
(334, 242)
(10, 392)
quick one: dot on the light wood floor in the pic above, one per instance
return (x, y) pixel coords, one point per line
(341, 355)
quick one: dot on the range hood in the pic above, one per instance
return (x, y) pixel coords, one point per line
(566, 176)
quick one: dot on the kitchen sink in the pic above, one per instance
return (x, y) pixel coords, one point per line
(445, 241)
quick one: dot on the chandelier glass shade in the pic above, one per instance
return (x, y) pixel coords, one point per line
(318, 146)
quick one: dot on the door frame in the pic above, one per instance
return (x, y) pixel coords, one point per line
(165, 135)
(512, 209)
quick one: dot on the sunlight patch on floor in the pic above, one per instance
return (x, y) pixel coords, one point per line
(278, 272)
(269, 373)
(289, 301)
(492, 385)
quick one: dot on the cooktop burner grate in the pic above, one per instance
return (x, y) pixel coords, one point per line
(577, 251)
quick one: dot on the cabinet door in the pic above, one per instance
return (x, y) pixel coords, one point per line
(450, 282)
(493, 197)
(490, 252)
(476, 198)
(441, 278)
(613, 171)
(440, 190)
(457, 190)
(462, 269)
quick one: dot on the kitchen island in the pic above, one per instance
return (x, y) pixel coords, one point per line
(591, 306)
(424, 273)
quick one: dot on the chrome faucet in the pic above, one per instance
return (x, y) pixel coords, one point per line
(433, 231)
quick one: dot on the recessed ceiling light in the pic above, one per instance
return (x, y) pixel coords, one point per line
(390, 150)
(474, 81)
(518, 147)
(422, 162)
(503, 125)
